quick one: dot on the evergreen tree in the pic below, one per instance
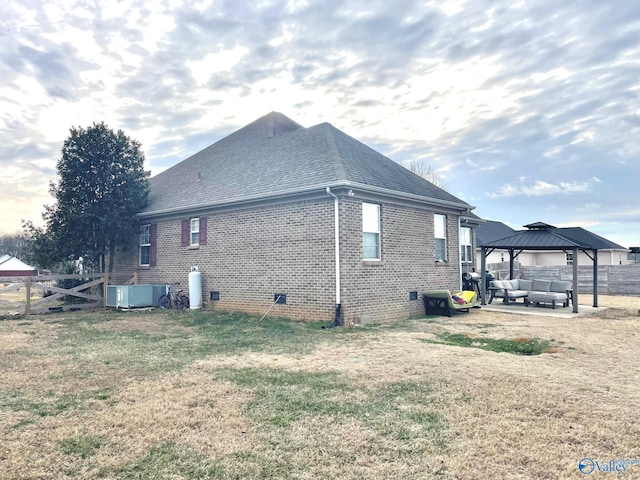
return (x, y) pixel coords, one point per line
(102, 186)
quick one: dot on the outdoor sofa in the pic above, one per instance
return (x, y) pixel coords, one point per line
(538, 292)
(443, 302)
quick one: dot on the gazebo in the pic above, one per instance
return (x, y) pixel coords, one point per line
(541, 236)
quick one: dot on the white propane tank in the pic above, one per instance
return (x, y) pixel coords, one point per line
(195, 289)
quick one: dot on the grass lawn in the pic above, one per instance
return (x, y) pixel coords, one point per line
(204, 395)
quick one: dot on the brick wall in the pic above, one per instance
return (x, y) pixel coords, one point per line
(289, 248)
(374, 291)
(252, 254)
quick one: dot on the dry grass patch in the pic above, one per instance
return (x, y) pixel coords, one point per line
(196, 395)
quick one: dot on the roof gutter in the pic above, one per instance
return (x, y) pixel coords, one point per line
(463, 206)
(302, 190)
(236, 202)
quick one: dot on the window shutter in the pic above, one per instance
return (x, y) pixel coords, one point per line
(186, 232)
(153, 233)
(203, 230)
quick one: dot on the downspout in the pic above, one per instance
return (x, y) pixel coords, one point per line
(460, 255)
(337, 322)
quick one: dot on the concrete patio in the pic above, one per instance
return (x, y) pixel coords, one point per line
(558, 312)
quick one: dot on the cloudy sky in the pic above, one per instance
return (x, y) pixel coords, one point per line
(528, 110)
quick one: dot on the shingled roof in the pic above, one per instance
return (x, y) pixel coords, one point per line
(492, 230)
(275, 156)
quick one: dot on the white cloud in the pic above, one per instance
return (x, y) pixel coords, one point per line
(541, 188)
(589, 207)
(505, 191)
(491, 94)
(451, 7)
(219, 61)
(578, 223)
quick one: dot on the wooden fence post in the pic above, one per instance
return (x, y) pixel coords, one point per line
(105, 285)
(27, 304)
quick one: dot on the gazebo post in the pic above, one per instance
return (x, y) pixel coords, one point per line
(595, 278)
(575, 279)
(483, 275)
(511, 258)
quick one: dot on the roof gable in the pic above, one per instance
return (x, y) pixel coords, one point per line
(275, 156)
(9, 263)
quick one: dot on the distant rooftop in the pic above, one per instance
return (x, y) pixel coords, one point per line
(9, 263)
(492, 230)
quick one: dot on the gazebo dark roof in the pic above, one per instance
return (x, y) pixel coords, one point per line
(541, 236)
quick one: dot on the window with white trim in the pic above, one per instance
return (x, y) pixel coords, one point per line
(145, 244)
(440, 235)
(370, 231)
(466, 247)
(195, 232)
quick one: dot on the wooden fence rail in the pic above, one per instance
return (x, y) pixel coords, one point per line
(612, 279)
(18, 303)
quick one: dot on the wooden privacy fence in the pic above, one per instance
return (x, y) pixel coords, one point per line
(41, 293)
(612, 279)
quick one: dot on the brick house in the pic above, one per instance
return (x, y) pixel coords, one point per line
(258, 213)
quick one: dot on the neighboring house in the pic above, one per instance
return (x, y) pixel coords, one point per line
(259, 212)
(610, 254)
(13, 267)
(489, 231)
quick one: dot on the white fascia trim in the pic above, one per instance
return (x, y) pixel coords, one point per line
(313, 189)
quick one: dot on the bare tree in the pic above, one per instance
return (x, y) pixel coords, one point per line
(13, 244)
(426, 172)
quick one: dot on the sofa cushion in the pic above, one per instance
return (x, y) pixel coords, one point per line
(515, 284)
(498, 284)
(541, 285)
(546, 297)
(525, 285)
(514, 293)
(560, 286)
